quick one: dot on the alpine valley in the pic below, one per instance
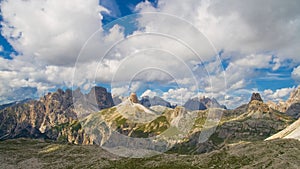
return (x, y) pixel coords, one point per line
(71, 129)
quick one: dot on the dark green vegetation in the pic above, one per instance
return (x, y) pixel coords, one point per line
(29, 153)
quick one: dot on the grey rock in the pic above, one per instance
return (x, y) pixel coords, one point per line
(256, 96)
(154, 101)
(294, 110)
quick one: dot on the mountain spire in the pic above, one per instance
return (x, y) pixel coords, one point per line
(133, 98)
(256, 96)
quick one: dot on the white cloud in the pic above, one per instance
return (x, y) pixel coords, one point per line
(178, 96)
(125, 88)
(254, 61)
(232, 101)
(277, 63)
(296, 73)
(239, 72)
(51, 31)
(120, 91)
(238, 85)
(278, 94)
(149, 93)
(49, 35)
(252, 37)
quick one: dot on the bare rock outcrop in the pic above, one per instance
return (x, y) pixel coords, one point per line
(133, 98)
(256, 96)
(291, 106)
(52, 116)
(202, 103)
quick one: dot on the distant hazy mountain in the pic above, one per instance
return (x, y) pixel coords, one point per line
(117, 100)
(155, 101)
(202, 103)
(3, 106)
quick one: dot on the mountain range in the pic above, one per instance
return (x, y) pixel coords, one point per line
(202, 103)
(200, 126)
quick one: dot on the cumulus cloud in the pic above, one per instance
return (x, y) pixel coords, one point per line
(48, 36)
(51, 31)
(176, 47)
(278, 94)
(239, 72)
(296, 73)
(149, 93)
(178, 96)
(249, 27)
(253, 36)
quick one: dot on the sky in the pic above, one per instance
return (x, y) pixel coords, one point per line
(173, 49)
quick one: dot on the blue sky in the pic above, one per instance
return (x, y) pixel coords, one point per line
(7, 48)
(120, 8)
(266, 78)
(40, 43)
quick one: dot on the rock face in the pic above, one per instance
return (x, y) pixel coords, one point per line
(194, 104)
(133, 98)
(294, 97)
(202, 104)
(291, 107)
(154, 101)
(292, 131)
(256, 96)
(293, 104)
(117, 100)
(280, 106)
(35, 118)
(294, 110)
(55, 117)
(98, 96)
(250, 122)
(45, 117)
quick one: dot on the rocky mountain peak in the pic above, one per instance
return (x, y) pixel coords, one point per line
(133, 98)
(154, 101)
(99, 97)
(291, 106)
(256, 96)
(37, 118)
(294, 96)
(202, 103)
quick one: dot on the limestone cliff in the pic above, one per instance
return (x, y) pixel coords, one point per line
(52, 116)
(291, 106)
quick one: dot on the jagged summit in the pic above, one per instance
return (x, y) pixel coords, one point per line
(133, 98)
(99, 97)
(202, 103)
(155, 101)
(123, 125)
(256, 96)
(39, 117)
(291, 106)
